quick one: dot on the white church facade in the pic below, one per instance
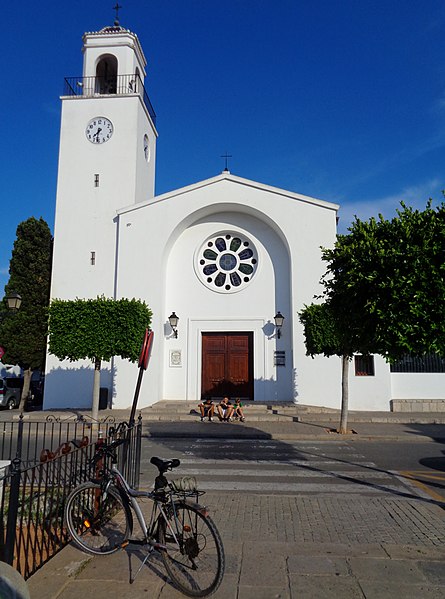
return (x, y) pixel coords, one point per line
(225, 255)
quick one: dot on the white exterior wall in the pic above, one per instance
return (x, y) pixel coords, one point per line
(164, 235)
(85, 214)
(370, 392)
(204, 310)
(123, 45)
(420, 385)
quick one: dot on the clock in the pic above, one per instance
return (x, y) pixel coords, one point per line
(99, 130)
(146, 148)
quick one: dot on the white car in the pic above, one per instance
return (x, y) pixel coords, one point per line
(10, 392)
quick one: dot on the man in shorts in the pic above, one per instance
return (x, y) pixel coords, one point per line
(225, 410)
(207, 409)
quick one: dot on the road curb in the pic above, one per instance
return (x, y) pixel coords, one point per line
(263, 436)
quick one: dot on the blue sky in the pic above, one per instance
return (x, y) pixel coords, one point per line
(343, 100)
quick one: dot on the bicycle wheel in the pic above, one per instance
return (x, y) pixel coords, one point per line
(196, 566)
(97, 525)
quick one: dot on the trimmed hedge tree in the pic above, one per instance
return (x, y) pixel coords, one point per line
(97, 329)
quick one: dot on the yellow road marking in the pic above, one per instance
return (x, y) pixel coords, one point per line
(412, 476)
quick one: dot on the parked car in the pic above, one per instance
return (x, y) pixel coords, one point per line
(35, 395)
(10, 392)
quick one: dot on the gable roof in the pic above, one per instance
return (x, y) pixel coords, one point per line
(227, 176)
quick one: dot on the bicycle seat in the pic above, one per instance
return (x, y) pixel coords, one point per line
(164, 465)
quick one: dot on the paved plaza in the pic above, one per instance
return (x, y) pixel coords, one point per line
(284, 547)
(332, 531)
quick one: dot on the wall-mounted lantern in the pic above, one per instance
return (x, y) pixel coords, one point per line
(279, 319)
(173, 320)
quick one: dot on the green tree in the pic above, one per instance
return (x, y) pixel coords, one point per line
(384, 291)
(386, 279)
(23, 334)
(325, 335)
(97, 329)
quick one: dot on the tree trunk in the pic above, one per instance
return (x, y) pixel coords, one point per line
(344, 395)
(27, 374)
(96, 391)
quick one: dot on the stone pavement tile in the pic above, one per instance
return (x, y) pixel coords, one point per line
(227, 590)
(328, 549)
(48, 586)
(317, 565)
(232, 554)
(123, 565)
(59, 571)
(323, 587)
(433, 571)
(389, 590)
(340, 549)
(262, 566)
(395, 571)
(107, 590)
(232, 562)
(263, 592)
(415, 552)
(106, 567)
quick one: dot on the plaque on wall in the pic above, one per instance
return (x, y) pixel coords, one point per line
(175, 358)
(279, 358)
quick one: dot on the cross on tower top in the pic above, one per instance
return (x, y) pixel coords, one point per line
(117, 7)
(226, 157)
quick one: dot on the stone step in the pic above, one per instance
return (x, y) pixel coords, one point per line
(329, 418)
(184, 407)
(187, 411)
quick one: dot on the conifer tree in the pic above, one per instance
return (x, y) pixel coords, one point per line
(23, 333)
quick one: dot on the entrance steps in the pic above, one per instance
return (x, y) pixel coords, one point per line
(172, 410)
(255, 411)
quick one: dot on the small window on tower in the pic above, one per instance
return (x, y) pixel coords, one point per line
(96, 180)
(93, 258)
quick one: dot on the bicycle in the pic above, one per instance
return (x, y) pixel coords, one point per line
(99, 517)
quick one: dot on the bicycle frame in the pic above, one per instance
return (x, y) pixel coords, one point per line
(132, 495)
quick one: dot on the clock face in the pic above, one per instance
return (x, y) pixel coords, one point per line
(99, 130)
(146, 148)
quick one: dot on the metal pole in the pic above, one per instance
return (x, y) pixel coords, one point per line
(13, 507)
(136, 395)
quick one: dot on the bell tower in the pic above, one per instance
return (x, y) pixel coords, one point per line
(107, 161)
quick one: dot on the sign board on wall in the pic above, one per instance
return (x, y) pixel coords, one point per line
(175, 358)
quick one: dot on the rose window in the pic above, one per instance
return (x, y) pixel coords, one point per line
(226, 262)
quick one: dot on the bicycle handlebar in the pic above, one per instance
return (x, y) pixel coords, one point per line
(108, 449)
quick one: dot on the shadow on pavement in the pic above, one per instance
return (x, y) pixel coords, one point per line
(259, 450)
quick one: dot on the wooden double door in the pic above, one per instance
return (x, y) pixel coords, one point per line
(227, 365)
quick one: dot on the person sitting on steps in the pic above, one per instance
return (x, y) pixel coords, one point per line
(207, 409)
(238, 410)
(225, 410)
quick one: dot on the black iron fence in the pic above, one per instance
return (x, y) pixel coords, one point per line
(90, 87)
(427, 363)
(32, 498)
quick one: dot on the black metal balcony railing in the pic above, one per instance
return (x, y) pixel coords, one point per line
(90, 87)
